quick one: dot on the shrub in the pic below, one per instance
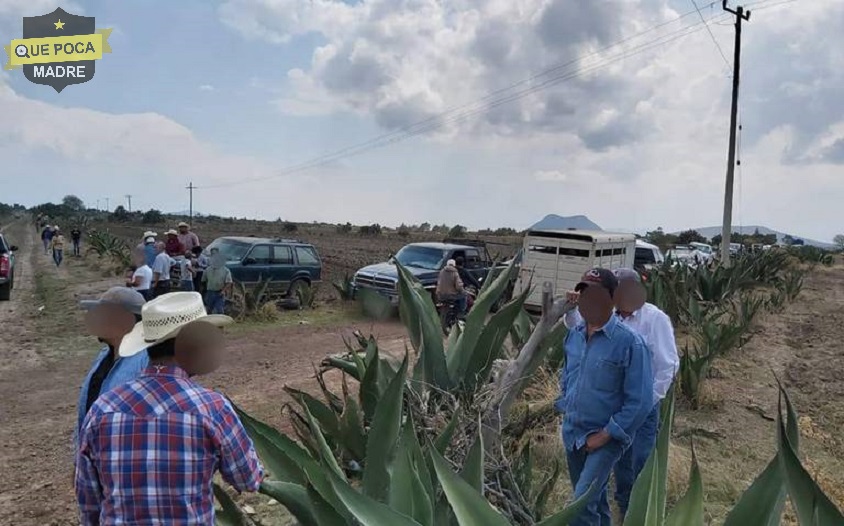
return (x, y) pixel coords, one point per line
(152, 217)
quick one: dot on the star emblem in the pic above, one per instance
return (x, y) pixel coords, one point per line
(59, 24)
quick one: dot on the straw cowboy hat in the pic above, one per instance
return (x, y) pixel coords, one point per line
(165, 317)
(171, 232)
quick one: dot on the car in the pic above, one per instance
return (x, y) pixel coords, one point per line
(680, 254)
(647, 257)
(424, 261)
(289, 264)
(7, 268)
(703, 250)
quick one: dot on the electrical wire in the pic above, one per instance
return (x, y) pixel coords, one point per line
(490, 101)
(712, 36)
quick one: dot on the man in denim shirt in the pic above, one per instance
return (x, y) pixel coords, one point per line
(607, 392)
(110, 318)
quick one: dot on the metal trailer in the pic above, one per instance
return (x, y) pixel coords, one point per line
(563, 256)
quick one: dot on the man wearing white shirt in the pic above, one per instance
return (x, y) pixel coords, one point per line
(161, 271)
(655, 328)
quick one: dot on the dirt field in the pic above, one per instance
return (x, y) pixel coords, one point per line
(45, 354)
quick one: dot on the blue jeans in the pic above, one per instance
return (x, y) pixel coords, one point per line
(215, 303)
(77, 248)
(634, 458)
(58, 256)
(586, 469)
(187, 285)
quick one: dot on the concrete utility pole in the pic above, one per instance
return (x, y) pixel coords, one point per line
(726, 230)
(129, 199)
(191, 188)
(108, 208)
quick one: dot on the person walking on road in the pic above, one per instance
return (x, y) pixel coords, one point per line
(218, 283)
(109, 319)
(76, 238)
(47, 237)
(161, 271)
(57, 245)
(607, 393)
(149, 449)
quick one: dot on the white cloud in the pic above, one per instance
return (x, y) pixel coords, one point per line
(550, 175)
(206, 87)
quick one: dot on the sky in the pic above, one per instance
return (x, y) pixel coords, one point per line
(486, 113)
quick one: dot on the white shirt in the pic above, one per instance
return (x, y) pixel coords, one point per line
(655, 328)
(185, 267)
(162, 266)
(145, 275)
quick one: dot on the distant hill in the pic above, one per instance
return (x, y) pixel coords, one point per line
(555, 222)
(710, 231)
(185, 213)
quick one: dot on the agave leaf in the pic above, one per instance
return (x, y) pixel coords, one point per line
(370, 392)
(231, 514)
(420, 317)
(473, 465)
(764, 500)
(470, 507)
(810, 503)
(459, 357)
(545, 490)
(325, 452)
(368, 511)
(565, 516)
(371, 351)
(283, 457)
(329, 514)
(352, 433)
(326, 416)
(383, 435)
(444, 440)
(408, 492)
(293, 497)
(521, 329)
(647, 500)
(348, 367)
(689, 510)
(490, 343)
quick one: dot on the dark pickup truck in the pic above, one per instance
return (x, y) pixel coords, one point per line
(424, 261)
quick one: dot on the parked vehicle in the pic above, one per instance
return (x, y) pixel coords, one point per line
(562, 256)
(290, 264)
(449, 316)
(647, 257)
(681, 254)
(704, 250)
(7, 268)
(424, 261)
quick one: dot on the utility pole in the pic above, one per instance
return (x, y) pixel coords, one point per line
(129, 198)
(98, 205)
(726, 230)
(191, 188)
(108, 207)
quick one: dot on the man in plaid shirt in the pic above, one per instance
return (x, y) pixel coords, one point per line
(149, 449)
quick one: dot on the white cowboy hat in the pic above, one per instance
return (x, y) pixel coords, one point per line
(183, 224)
(149, 233)
(171, 232)
(165, 317)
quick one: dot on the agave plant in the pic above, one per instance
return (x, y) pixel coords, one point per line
(344, 288)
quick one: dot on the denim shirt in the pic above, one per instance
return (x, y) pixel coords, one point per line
(607, 384)
(124, 370)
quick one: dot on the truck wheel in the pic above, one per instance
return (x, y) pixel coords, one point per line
(6, 292)
(299, 290)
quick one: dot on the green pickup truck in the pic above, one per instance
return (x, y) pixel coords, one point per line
(7, 268)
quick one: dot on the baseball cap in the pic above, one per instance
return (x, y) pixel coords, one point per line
(129, 299)
(627, 274)
(598, 276)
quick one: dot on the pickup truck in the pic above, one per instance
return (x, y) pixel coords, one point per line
(7, 268)
(424, 261)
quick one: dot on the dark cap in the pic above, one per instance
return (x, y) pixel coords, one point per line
(129, 299)
(627, 274)
(598, 276)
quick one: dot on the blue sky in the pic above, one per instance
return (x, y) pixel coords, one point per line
(223, 92)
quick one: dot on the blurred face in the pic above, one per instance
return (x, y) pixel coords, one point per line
(109, 322)
(139, 259)
(200, 348)
(183, 229)
(630, 296)
(595, 304)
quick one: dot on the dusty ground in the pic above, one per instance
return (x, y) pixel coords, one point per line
(44, 356)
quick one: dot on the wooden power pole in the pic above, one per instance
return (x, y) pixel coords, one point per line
(191, 188)
(129, 199)
(741, 15)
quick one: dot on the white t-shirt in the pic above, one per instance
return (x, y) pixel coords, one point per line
(162, 266)
(145, 275)
(185, 266)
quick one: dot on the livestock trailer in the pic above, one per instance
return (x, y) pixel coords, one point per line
(563, 256)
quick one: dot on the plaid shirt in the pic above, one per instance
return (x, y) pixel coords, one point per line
(148, 451)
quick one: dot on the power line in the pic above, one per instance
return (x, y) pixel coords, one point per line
(712, 35)
(443, 119)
